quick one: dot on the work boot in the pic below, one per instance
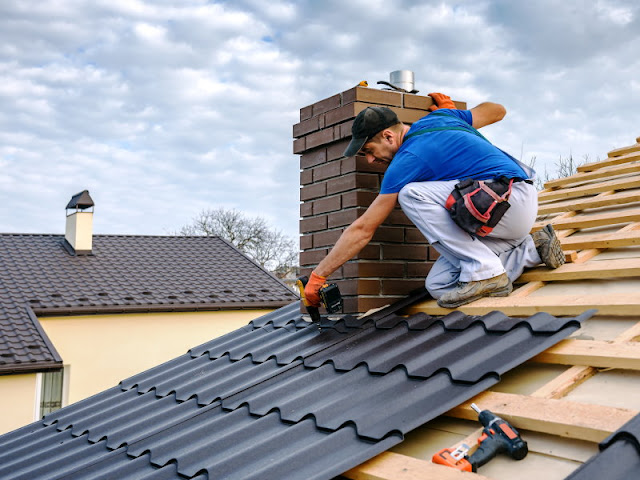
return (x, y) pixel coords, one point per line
(467, 292)
(548, 246)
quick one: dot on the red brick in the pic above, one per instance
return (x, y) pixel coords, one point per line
(364, 304)
(358, 198)
(313, 224)
(400, 286)
(372, 95)
(306, 209)
(359, 287)
(351, 181)
(345, 129)
(306, 127)
(327, 204)
(316, 190)
(336, 150)
(404, 252)
(325, 105)
(369, 252)
(389, 234)
(306, 242)
(317, 139)
(339, 114)
(312, 257)
(299, 145)
(360, 164)
(312, 158)
(413, 235)
(418, 269)
(398, 217)
(373, 269)
(329, 238)
(306, 177)
(328, 170)
(433, 253)
(346, 217)
(306, 113)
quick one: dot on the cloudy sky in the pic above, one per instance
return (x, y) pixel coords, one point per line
(162, 108)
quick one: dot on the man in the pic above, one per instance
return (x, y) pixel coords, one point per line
(424, 163)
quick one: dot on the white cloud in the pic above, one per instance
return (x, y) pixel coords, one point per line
(162, 108)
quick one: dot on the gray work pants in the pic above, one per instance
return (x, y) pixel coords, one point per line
(464, 258)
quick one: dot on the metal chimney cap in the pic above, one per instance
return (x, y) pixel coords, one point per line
(81, 201)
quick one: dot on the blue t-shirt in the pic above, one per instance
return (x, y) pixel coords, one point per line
(446, 155)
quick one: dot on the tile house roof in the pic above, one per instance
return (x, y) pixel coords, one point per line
(619, 457)
(124, 274)
(281, 398)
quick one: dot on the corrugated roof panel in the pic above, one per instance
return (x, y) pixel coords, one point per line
(336, 398)
(287, 401)
(619, 457)
(239, 445)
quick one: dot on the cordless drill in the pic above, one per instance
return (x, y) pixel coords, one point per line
(497, 437)
(329, 296)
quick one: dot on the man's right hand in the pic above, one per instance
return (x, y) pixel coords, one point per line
(311, 290)
(440, 100)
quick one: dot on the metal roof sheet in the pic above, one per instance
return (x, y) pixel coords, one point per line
(282, 398)
(124, 274)
(619, 457)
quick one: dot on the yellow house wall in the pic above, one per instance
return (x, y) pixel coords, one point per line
(99, 351)
(17, 401)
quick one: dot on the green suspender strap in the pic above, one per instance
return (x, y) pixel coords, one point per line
(469, 129)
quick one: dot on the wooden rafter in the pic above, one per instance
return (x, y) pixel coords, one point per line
(557, 417)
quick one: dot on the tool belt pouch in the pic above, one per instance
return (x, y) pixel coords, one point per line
(477, 206)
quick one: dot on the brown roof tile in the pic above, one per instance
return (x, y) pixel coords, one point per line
(124, 274)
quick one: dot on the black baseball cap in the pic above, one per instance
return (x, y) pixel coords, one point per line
(369, 121)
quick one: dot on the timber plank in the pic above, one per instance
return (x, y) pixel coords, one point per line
(594, 175)
(604, 240)
(629, 157)
(623, 267)
(573, 192)
(557, 417)
(558, 305)
(598, 220)
(618, 198)
(395, 466)
(594, 353)
(624, 150)
(565, 382)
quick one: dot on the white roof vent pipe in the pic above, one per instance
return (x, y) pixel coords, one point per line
(79, 228)
(401, 81)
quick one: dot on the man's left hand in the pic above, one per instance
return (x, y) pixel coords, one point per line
(311, 290)
(440, 100)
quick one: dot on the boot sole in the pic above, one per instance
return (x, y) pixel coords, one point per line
(554, 257)
(502, 292)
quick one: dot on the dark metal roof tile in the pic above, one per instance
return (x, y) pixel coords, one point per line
(361, 388)
(619, 457)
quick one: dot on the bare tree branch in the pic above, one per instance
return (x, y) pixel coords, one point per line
(254, 237)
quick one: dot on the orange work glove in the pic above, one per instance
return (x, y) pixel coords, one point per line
(313, 286)
(440, 100)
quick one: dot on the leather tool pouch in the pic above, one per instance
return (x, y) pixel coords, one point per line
(477, 205)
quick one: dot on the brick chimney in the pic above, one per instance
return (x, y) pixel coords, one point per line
(336, 190)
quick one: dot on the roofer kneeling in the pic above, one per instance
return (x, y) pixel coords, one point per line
(425, 163)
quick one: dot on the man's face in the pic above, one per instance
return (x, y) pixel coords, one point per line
(380, 149)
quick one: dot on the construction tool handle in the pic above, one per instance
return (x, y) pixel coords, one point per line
(488, 449)
(314, 312)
